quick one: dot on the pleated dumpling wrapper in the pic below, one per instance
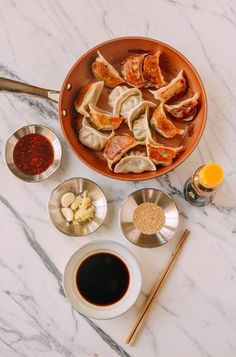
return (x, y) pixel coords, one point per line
(163, 125)
(104, 71)
(123, 99)
(185, 110)
(92, 138)
(177, 86)
(115, 94)
(103, 120)
(132, 70)
(135, 162)
(117, 147)
(138, 121)
(152, 71)
(88, 94)
(162, 155)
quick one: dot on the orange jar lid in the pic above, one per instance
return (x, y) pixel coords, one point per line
(211, 175)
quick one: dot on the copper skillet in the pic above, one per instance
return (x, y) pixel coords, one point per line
(115, 51)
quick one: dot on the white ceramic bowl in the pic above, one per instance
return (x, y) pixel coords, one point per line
(109, 311)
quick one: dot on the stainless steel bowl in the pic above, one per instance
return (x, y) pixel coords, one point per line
(161, 199)
(77, 185)
(32, 129)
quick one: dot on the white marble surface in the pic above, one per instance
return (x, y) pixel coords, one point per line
(196, 311)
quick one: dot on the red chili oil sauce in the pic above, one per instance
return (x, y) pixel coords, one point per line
(33, 154)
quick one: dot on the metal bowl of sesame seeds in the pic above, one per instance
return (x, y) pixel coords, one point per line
(149, 218)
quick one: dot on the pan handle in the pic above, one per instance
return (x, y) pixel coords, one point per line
(10, 85)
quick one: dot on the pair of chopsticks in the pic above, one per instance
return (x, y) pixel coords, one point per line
(146, 307)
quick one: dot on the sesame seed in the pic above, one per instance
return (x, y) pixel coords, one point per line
(148, 218)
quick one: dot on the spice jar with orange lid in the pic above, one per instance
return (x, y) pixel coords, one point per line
(200, 189)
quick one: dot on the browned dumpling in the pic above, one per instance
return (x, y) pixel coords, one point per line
(87, 95)
(103, 120)
(163, 125)
(162, 155)
(185, 110)
(177, 86)
(152, 71)
(132, 70)
(117, 147)
(104, 71)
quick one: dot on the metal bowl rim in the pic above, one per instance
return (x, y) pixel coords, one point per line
(123, 203)
(106, 207)
(43, 178)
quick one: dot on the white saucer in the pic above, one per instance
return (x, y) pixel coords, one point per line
(94, 311)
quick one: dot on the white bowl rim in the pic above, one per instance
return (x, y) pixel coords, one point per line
(106, 245)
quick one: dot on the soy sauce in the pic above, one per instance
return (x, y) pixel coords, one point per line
(102, 279)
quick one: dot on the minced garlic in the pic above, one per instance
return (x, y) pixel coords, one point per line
(80, 210)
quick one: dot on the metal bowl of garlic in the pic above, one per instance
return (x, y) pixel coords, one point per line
(149, 218)
(77, 207)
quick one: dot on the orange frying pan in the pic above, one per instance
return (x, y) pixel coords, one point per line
(115, 51)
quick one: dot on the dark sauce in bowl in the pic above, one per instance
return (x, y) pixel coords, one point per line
(102, 279)
(33, 154)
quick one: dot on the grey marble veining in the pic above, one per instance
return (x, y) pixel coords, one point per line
(196, 311)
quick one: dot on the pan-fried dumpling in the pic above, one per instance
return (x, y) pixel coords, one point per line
(103, 120)
(162, 155)
(132, 70)
(115, 94)
(135, 152)
(87, 95)
(117, 147)
(152, 71)
(137, 111)
(127, 105)
(140, 127)
(93, 138)
(115, 100)
(138, 121)
(150, 139)
(163, 125)
(184, 110)
(135, 162)
(176, 86)
(104, 71)
(128, 100)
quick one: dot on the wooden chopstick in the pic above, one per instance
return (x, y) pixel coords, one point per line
(146, 307)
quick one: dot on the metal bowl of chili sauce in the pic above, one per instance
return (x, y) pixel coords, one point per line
(33, 153)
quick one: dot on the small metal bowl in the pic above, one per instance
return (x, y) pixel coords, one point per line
(161, 199)
(32, 129)
(77, 185)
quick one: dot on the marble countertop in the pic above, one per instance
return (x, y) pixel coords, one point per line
(195, 314)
